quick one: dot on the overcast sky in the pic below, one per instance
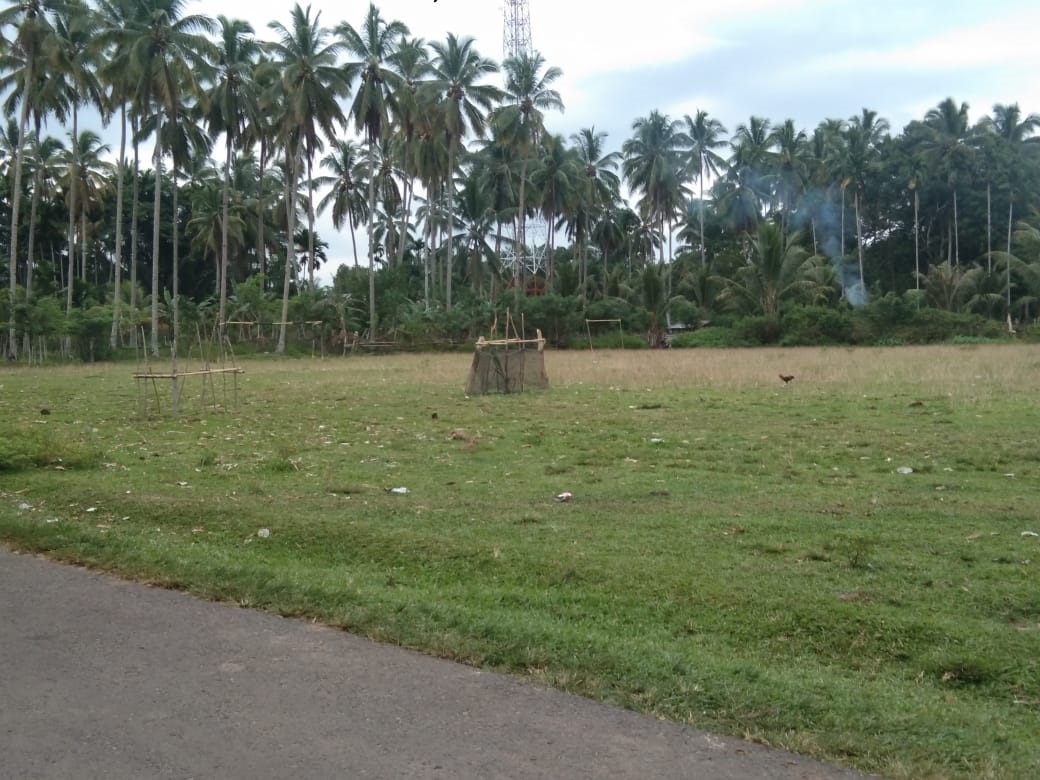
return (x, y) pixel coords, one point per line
(807, 60)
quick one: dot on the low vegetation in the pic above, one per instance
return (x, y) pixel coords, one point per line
(845, 564)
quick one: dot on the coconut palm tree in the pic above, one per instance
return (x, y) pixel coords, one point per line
(495, 165)
(262, 135)
(44, 170)
(520, 121)
(346, 189)
(776, 269)
(948, 148)
(1014, 134)
(411, 59)
(746, 191)
(69, 51)
(85, 178)
(188, 146)
(115, 80)
(431, 166)
(601, 185)
(791, 168)
(702, 136)
(166, 52)
(609, 234)
(231, 103)
(31, 20)
(375, 102)
(215, 226)
(863, 135)
(476, 223)
(50, 99)
(652, 168)
(456, 72)
(558, 175)
(312, 82)
(388, 195)
(950, 287)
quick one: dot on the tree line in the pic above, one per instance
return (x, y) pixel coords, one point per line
(231, 144)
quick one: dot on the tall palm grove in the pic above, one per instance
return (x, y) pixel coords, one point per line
(162, 172)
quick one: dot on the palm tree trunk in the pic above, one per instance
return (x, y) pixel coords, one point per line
(372, 323)
(353, 239)
(174, 392)
(33, 217)
(409, 187)
(859, 242)
(261, 250)
(843, 224)
(117, 282)
(1011, 213)
(16, 199)
(451, 204)
(290, 246)
(157, 161)
(225, 214)
(73, 189)
(135, 199)
(989, 228)
(83, 237)
(310, 220)
(704, 248)
(427, 243)
(521, 234)
(917, 241)
(956, 232)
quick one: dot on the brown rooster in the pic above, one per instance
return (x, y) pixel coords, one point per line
(786, 377)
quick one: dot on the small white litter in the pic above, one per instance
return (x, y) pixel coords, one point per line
(263, 533)
(904, 470)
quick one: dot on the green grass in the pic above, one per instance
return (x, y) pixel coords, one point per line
(739, 554)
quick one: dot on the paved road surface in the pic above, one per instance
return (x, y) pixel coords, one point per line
(101, 678)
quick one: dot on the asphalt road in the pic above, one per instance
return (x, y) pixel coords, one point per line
(102, 678)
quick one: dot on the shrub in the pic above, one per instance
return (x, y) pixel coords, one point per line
(811, 325)
(933, 325)
(757, 329)
(711, 336)
(557, 316)
(90, 328)
(634, 319)
(608, 340)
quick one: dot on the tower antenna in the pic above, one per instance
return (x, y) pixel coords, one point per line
(516, 40)
(516, 29)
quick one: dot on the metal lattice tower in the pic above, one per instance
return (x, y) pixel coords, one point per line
(516, 40)
(516, 31)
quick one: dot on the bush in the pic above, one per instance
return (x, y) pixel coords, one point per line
(813, 325)
(608, 340)
(557, 316)
(757, 330)
(90, 328)
(709, 337)
(932, 325)
(634, 319)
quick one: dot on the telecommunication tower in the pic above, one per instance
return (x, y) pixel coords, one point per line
(516, 32)
(516, 40)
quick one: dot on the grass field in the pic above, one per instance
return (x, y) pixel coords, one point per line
(739, 554)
